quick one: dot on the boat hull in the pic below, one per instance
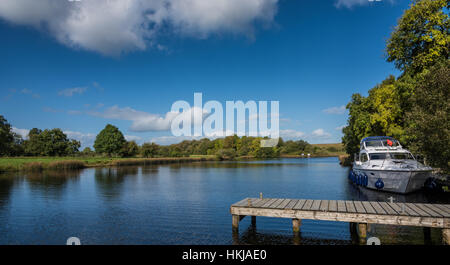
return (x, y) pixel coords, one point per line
(399, 181)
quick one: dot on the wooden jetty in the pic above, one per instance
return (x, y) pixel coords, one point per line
(357, 213)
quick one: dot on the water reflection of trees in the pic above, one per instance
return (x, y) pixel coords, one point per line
(51, 183)
(109, 181)
(233, 164)
(7, 182)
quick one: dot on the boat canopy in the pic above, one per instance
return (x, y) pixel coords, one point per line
(375, 138)
(377, 142)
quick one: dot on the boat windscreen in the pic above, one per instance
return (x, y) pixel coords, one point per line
(376, 143)
(378, 156)
(382, 143)
(401, 156)
(396, 156)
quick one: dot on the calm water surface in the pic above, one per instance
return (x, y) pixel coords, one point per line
(184, 204)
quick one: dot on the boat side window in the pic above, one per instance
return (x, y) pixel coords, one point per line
(378, 156)
(401, 156)
(373, 144)
(364, 157)
(394, 143)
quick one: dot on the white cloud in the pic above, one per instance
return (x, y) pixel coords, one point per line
(29, 92)
(339, 128)
(320, 133)
(115, 26)
(68, 92)
(146, 122)
(74, 112)
(291, 134)
(352, 3)
(86, 139)
(21, 132)
(133, 138)
(335, 110)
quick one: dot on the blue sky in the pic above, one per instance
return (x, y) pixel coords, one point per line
(79, 74)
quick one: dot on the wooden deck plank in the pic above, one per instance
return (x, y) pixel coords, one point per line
(332, 206)
(397, 208)
(269, 202)
(350, 207)
(307, 205)
(291, 204)
(254, 201)
(417, 209)
(341, 206)
(411, 214)
(316, 205)
(276, 203)
(324, 205)
(261, 202)
(283, 204)
(441, 207)
(241, 202)
(378, 208)
(388, 208)
(359, 207)
(429, 210)
(368, 207)
(299, 204)
(408, 210)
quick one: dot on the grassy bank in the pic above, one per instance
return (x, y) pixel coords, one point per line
(77, 162)
(42, 163)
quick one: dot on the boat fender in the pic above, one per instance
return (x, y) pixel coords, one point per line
(379, 184)
(430, 183)
(366, 180)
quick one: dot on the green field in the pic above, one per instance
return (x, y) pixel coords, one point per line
(40, 163)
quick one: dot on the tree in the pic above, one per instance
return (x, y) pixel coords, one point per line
(228, 153)
(33, 145)
(430, 117)
(421, 37)
(48, 142)
(72, 147)
(109, 141)
(87, 151)
(130, 149)
(7, 137)
(149, 150)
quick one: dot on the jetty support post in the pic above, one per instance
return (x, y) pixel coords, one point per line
(446, 236)
(427, 235)
(253, 221)
(362, 232)
(296, 223)
(235, 222)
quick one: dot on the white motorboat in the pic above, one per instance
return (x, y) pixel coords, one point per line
(382, 164)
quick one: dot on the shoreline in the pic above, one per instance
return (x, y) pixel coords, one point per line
(33, 164)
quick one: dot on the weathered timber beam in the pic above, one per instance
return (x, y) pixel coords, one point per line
(345, 217)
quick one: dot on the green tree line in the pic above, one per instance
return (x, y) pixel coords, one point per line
(414, 107)
(111, 142)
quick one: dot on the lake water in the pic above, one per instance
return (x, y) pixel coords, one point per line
(184, 204)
